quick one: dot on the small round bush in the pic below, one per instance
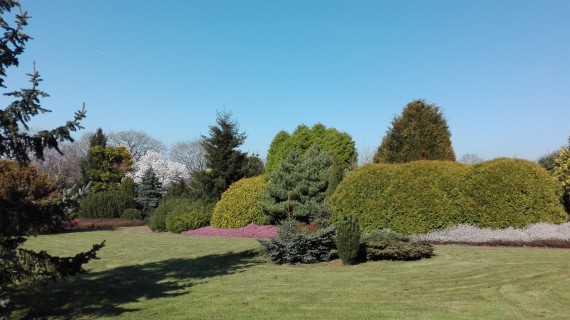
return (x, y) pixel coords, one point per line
(188, 216)
(132, 214)
(410, 198)
(240, 205)
(509, 193)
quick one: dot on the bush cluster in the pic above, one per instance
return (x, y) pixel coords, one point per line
(240, 205)
(132, 214)
(105, 204)
(294, 245)
(179, 214)
(389, 245)
(423, 196)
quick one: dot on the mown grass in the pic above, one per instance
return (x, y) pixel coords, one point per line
(143, 275)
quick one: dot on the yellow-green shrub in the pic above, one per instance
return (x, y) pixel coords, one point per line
(422, 196)
(509, 193)
(410, 198)
(240, 205)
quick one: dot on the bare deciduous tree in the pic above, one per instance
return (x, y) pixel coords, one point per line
(136, 142)
(67, 167)
(190, 153)
(470, 158)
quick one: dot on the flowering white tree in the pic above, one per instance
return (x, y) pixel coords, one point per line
(168, 172)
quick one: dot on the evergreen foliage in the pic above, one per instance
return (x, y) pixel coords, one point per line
(132, 214)
(148, 192)
(106, 166)
(225, 163)
(188, 215)
(389, 245)
(561, 171)
(178, 190)
(98, 139)
(128, 186)
(22, 216)
(505, 193)
(423, 196)
(338, 144)
(420, 133)
(296, 246)
(179, 214)
(348, 239)
(105, 204)
(299, 185)
(240, 205)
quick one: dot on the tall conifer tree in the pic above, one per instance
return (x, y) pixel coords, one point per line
(224, 162)
(420, 133)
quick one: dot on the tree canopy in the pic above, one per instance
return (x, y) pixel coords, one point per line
(338, 144)
(225, 163)
(420, 133)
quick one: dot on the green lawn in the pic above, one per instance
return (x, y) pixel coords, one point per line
(142, 275)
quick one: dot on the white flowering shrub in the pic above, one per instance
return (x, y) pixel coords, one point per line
(538, 234)
(168, 172)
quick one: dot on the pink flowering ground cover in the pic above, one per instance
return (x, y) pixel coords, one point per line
(249, 231)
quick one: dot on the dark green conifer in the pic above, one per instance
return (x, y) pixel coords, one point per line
(420, 133)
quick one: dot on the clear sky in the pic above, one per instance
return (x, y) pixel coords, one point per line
(500, 70)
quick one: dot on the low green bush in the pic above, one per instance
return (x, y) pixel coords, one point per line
(389, 245)
(105, 204)
(240, 205)
(188, 216)
(509, 193)
(295, 246)
(179, 214)
(410, 198)
(132, 214)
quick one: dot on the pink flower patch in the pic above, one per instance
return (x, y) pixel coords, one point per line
(249, 231)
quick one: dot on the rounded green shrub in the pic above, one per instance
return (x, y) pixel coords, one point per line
(179, 214)
(509, 193)
(240, 205)
(132, 214)
(188, 216)
(105, 204)
(157, 219)
(413, 197)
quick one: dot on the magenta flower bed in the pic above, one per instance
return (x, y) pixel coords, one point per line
(249, 231)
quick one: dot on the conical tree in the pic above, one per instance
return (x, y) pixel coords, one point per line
(420, 133)
(148, 192)
(224, 162)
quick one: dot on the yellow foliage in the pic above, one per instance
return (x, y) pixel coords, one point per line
(240, 205)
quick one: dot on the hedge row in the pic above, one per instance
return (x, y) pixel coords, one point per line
(422, 196)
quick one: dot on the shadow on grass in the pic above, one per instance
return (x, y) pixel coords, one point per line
(104, 293)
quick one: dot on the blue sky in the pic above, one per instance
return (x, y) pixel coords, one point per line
(500, 70)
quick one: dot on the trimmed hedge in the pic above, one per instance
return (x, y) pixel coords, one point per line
(509, 193)
(240, 205)
(410, 198)
(423, 196)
